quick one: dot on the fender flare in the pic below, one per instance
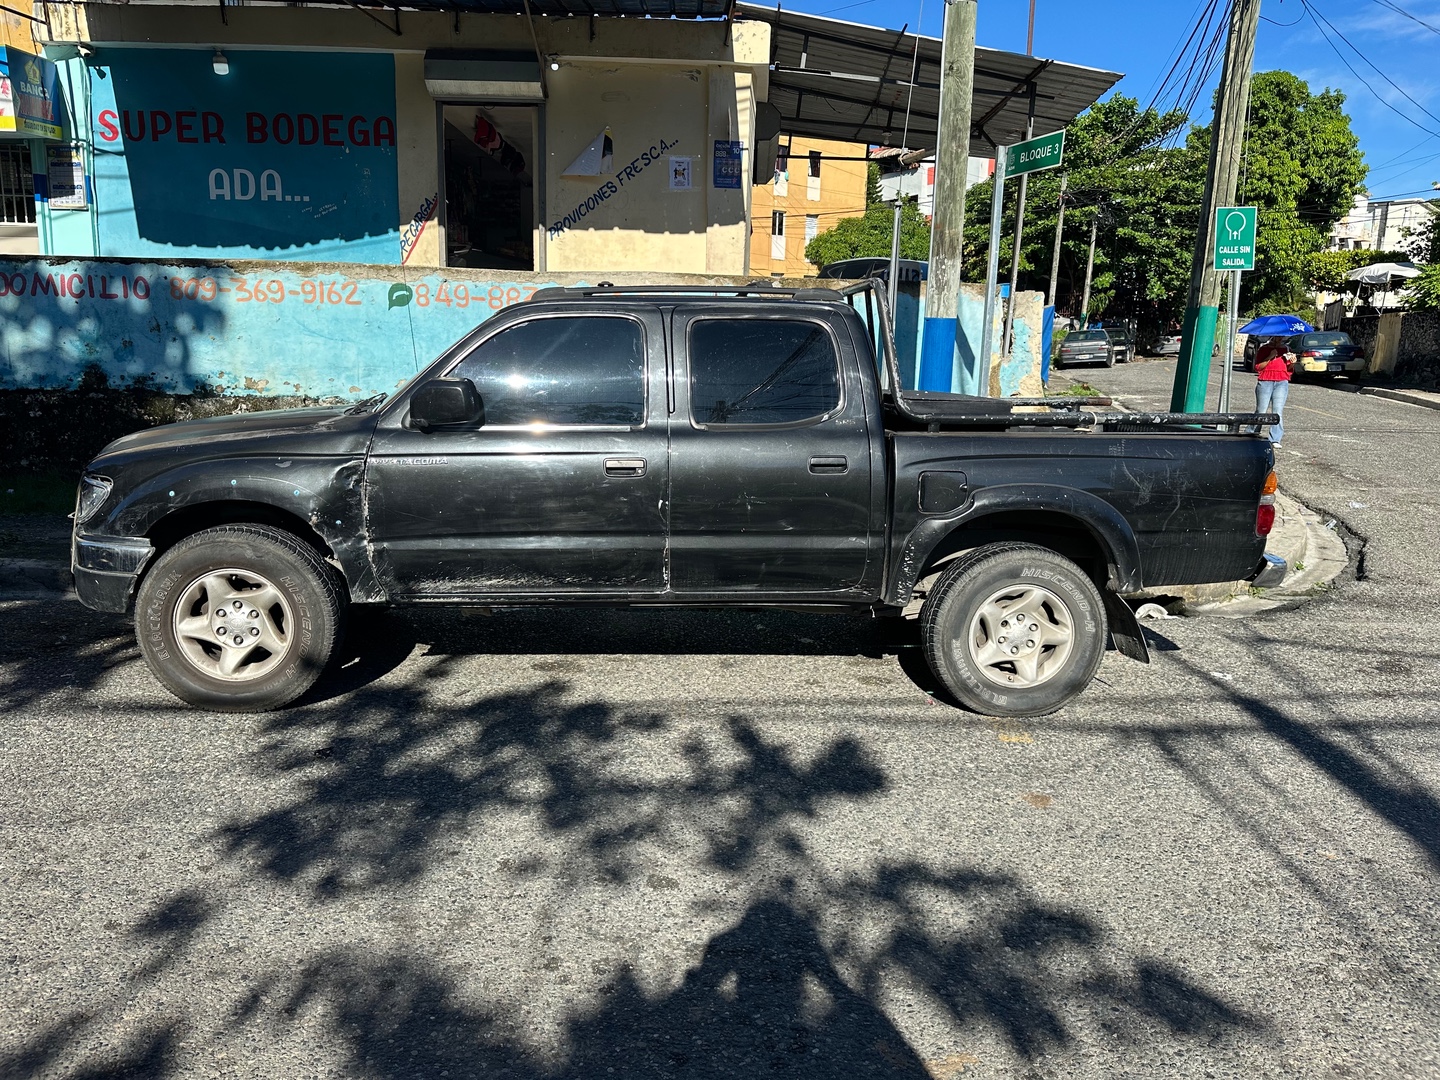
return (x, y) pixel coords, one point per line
(1106, 524)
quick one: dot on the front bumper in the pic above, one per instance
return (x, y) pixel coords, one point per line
(106, 569)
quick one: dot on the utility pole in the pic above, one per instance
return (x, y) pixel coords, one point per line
(1020, 203)
(1059, 231)
(947, 231)
(1227, 137)
(1089, 270)
(1019, 236)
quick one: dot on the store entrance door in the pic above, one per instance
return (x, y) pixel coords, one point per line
(491, 198)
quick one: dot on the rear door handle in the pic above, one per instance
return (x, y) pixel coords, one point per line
(625, 466)
(829, 465)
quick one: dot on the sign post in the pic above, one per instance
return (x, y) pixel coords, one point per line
(1033, 155)
(1234, 252)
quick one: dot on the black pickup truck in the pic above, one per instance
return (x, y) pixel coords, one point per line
(670, 447)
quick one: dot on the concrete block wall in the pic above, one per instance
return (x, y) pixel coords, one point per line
(299, 329)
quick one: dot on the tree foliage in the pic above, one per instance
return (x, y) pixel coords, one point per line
(1422, 245)
(1423, 293)
(869, 236)
(1302, 168)
(1324, 271)
(1144, 199)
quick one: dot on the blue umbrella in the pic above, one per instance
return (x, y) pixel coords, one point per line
(1276, 326)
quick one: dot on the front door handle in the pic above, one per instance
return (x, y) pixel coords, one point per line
(625, 466)
(829, 465)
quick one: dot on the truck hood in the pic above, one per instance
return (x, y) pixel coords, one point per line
(300, 431)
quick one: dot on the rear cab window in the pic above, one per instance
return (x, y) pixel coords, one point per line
(754, 372)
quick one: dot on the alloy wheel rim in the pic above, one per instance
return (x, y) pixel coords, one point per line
(1021, 637)
(233, 625)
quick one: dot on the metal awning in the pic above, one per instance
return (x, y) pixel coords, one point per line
(661, 9)
(832, 79)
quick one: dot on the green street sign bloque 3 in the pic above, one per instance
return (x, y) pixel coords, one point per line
(1033, 155)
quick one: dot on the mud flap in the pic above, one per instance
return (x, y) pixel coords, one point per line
(1125, 628)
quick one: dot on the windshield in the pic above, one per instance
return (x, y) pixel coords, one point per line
(1088, 335)
(1324, 341)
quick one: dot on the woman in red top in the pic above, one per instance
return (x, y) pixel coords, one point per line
(1273, 368)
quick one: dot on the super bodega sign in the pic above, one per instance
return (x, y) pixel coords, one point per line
(285, 151)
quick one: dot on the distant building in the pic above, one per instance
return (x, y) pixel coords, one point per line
(817, 183)
(911, 173)
(1379, 225)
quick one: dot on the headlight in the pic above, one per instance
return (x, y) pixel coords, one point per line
(94, 490)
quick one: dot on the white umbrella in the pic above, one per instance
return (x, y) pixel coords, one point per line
(1382, 273)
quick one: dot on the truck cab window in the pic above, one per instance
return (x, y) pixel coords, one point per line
(754, 371)
(572, 370)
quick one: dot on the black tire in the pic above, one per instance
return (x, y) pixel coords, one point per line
(302, 618)
(1058, 364)
(953, 626)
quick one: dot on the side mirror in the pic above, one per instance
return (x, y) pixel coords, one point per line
(447, 403)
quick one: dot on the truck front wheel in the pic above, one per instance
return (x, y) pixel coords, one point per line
(239, 618)
(1014, 630)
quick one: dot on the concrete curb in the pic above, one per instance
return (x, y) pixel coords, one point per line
(1424, 399)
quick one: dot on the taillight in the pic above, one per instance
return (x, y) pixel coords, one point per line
(1310, 354)
(1264, 519)
(1359, 354)
(1265, 512)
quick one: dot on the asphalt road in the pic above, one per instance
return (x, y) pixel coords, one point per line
(594, 844)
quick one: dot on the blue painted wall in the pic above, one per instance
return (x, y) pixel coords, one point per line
(249, 327)
(243, 327)
(289, 156)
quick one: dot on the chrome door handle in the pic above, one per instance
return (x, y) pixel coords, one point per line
(829, 465)
(625, 466)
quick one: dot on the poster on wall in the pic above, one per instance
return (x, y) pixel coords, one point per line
(285, 156)
(727, 163)
(65, 178)
(30, 101)
(679, 174)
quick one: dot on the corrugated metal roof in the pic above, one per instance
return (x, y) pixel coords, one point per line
(841, 80)
(682, 9)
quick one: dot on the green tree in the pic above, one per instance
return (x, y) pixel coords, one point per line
(1144, 197)
(1302, 168)
(1324, 271)
(1423, 244)
(1423, 293)
(869, 236)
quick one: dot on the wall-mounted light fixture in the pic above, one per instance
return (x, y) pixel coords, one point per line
(554, 62)
(220, 63)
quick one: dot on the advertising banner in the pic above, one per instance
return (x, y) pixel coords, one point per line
(30, 102)
(286, 155)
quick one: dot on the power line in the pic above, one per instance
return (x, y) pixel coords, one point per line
(1317, 19)
(1401, 11)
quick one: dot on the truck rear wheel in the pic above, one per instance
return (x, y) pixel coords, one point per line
(240, 618)
(1014, 630)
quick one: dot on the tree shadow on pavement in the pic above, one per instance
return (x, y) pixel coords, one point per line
(802, 957)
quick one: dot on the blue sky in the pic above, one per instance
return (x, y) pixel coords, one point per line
(1139, 37)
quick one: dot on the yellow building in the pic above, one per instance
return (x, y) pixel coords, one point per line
(817, 183)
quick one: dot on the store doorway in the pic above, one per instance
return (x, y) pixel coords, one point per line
(491, 197)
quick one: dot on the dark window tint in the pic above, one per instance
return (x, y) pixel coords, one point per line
(1087, 335)
(761, 371)
(1321, 341)
(574, 370)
